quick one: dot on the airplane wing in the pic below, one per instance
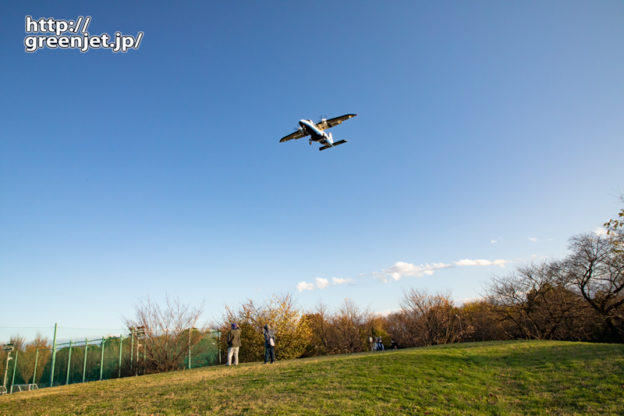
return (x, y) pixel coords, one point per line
(296, 135)
(329, 123)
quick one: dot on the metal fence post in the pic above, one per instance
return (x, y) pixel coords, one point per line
(14, 368)
(102, 358)
(53, 356)
(68, 362)
(189, 352)
(219, 344)
(120, 350)
(34, 380)
(84, 365)
(131, 347)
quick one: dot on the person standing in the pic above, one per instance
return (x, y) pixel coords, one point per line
(269, 344)
(380, 345)
(234, 343)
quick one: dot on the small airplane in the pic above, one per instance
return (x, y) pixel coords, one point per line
(317, 133)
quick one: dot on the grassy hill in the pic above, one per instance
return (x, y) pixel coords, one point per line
(520, 377)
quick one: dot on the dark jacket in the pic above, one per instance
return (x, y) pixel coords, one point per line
(268, 334)
(233, 338)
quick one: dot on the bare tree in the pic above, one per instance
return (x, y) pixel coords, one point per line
(319, 323)
(168, 332)
(541, 303)
(401, 328)
(597, 268)
(348, 330)
(430, 319)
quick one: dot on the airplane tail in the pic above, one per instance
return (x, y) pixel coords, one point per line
(335, 144)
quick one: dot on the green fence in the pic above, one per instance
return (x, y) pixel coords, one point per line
(91, 359)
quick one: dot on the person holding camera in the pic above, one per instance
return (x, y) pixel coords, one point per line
(234, 343)
(269, 344)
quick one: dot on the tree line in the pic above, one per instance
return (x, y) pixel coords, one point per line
(577, 298)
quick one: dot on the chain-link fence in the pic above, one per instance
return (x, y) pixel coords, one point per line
(68, 358)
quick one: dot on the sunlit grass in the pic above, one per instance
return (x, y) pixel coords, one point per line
(523, 377)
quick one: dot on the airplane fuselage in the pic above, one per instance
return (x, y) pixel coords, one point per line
(316, 135)
(318, 131)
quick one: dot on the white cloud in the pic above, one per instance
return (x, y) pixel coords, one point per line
(399, 270)
(533, 239)
(493, 241)
(321, 283)
(301, 286)
(480, 262)
(403, 269)
(341, 281)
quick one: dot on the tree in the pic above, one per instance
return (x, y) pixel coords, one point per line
(377, 327)
(249, 321)
(482, 321)
(292, 331)
(540, 302)
(596, 265)
(615, 231)
(429, 319)
(166, 341)
(320, 325)
(348, 329)
(28, 357)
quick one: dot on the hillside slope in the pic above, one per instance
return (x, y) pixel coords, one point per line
(520, 377)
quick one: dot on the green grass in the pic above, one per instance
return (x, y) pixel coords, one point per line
(494, 378)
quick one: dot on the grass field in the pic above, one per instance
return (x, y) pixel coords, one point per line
(495, 378)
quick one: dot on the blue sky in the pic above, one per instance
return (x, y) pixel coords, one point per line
(485, 131)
